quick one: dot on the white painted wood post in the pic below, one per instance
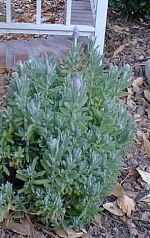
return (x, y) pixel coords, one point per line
(100, 24)
(8, 11)
(68, 15)
(38, 11)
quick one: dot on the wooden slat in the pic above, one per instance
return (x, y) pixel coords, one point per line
(81, 13)
(85, 17)
(80, 5)
(79, 22)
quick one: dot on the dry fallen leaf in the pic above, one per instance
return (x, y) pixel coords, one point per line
(147, 95)
(25, 227)
(141, 19)
(145, 175)
(4, 70)
(124, 202)
(137, 117)
(48, 232)
(113, 208)
(128, 223)
(69, 233)
(133, 171)
(86, 235)
(130, 94)
(118, 190)
(25, 223)
(138, 82)
(146, 145)
(117, 28)
(18, 228)
(118, 50)
(145, 199)
(32, 232)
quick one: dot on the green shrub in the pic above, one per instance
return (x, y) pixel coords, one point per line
(137, 7)
(62, 137)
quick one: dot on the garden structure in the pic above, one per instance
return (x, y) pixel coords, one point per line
(88, 15)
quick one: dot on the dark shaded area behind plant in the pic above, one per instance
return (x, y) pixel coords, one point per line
(140, 8)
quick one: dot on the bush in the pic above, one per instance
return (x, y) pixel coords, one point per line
(62, 137)
(137, 7)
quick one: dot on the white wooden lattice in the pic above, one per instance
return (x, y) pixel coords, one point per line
(77, 13)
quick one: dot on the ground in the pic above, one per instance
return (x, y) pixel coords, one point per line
(126, 41)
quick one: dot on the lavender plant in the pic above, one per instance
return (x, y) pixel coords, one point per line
(62, 137)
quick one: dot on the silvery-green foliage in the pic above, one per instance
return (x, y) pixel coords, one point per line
(63, 134)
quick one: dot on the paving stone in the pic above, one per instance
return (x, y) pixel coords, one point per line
(13, 51)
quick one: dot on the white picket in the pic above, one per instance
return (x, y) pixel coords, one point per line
(68, 13)
(97, 28)
(8, 11)
(93, 8)
(38, 12)
(100, 23)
